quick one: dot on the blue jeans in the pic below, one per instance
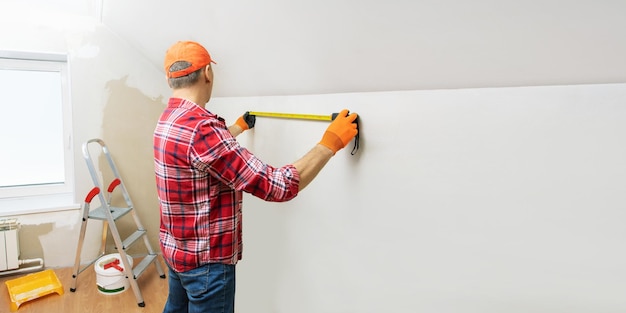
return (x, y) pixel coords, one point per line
(207, 289)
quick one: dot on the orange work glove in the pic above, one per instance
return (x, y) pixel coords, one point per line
(340, 131)
(246, 121)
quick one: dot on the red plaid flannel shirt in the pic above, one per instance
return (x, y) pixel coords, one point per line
(201, 171)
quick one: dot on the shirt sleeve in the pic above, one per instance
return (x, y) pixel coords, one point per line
(215, 151)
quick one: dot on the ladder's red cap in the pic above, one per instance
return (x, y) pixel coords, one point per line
(189, 51)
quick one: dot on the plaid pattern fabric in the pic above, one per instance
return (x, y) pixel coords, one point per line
(201, 172)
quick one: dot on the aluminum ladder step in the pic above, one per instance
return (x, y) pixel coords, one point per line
(101, 214)
(141, 267)
(133, 238)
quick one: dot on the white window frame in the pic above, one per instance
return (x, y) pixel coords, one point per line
(27, 199)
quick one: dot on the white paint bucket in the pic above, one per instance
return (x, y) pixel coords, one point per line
(111, 281)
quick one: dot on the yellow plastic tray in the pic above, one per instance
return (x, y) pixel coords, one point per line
(33, 286)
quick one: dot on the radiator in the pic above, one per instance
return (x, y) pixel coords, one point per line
(9, 244)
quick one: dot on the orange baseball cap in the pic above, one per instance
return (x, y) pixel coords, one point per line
(189, 51)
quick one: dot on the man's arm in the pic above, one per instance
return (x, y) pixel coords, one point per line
(235, 130)
(312, 163)
(337, 136)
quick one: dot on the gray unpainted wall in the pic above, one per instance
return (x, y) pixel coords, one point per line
(116, 95)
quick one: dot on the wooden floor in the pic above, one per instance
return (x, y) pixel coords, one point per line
(87, 298)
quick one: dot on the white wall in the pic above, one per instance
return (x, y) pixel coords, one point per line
(98, 60)
(469, 200)
(292, 47)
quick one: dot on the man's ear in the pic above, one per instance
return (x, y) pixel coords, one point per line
(207, 76)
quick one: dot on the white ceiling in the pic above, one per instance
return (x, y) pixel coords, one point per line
(278, 47)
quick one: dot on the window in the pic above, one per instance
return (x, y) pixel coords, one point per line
(36, 163)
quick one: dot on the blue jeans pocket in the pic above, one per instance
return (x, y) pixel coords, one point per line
(196, 281)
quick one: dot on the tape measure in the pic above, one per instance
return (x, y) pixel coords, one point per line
(313, 117)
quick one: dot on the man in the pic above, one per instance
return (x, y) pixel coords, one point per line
(201, 173)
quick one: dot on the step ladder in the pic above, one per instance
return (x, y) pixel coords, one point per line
(109, 215)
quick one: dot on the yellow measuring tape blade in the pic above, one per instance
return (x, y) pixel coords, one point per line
(293, 116)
